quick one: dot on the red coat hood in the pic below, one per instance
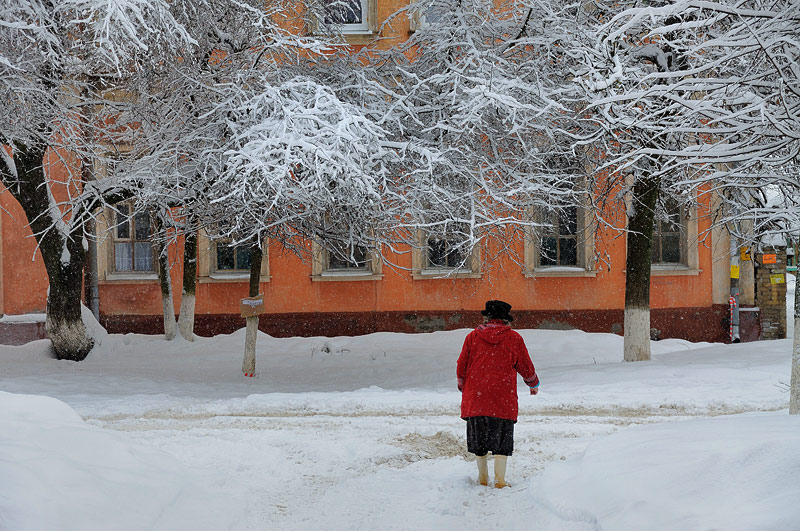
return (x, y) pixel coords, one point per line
(493, 333)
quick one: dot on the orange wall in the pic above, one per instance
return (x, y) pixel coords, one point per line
(292, 290)
(24, 277)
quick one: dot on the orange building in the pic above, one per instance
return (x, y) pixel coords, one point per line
(560, 286)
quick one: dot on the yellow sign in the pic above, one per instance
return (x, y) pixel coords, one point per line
(744, 254)
(769, 259)
(734, 271)
(252, 306)
(777, 279)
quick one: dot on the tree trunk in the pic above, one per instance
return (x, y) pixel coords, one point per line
(794, 390)
(251, 332)
(62, 251)
(637, 264)
(186, 318)
(165, 280)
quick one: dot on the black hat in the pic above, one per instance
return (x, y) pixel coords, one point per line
(497, 310)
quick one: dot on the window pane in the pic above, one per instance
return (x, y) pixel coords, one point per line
(568, 221)
(670, 248)
(548, 254)
(225, 257)
(243, 257)
(568, 252)
(141, 225)
(143, 256)
(343, 12)
(123, 256)
(434, 14)
(344, 260)
(123, 222)
(444, 254)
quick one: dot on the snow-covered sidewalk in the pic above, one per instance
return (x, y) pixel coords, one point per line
(363, 433)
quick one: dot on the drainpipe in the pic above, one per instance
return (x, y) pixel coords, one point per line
(91, 293)
(91, 277)
(734, 299)
(2, 275)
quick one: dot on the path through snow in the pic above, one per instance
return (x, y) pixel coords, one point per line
(338, 468)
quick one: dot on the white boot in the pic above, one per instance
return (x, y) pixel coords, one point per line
(500, 462)
(483, 469)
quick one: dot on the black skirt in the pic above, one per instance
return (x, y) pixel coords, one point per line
(490, 434)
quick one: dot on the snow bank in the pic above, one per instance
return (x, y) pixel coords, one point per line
(736, 473)
(93, 328)
(23, 318)
(57, 472)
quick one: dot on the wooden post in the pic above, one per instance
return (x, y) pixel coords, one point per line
(251, 308)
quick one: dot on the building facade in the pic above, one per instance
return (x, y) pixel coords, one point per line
(574, 277)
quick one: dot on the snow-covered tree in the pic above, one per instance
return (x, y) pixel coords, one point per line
(733, 101)
(468, 86)
(622, 73)
(202, 114)
(57, 61)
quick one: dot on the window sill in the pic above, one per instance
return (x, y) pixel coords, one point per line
(560, 272)
(359, 38)
(445, 274)
(230, 278)
(129, 278)
(676, 270)
(345, 276)
(353, 37)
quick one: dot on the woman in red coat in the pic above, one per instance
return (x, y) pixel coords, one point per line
(487, 370)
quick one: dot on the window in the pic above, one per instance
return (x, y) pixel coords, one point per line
(560, 239)
(445, 256)
(232, 258)
(132, 248)
(669, 235)
(428, 15)
(447, 253)
(342, 262)
(352, 16)
(348, 258)
(219, 261)
(561, 245)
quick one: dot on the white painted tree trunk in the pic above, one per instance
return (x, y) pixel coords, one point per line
(794, 389)
(249, 361)
(636, 345)
(69, 336)
(167, 303)
(170, 327)
(186, 318)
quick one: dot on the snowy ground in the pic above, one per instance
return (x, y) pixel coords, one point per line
(363, 433)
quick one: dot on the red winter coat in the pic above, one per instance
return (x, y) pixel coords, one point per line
(487, 370)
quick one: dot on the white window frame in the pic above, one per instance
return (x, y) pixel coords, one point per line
(215, 259)
(422, 269)
(105, 231)
(207, 271)
(322, 272)
(690, 264)
(418, 20)
(110, 271)
(585, 247)
(368, 24)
